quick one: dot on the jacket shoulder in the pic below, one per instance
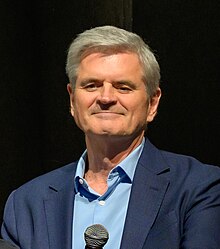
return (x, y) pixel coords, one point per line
(190, 166)
(56, 179)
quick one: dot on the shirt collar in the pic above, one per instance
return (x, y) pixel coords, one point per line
(128, 165)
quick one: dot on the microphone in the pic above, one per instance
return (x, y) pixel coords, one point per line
(96, 236)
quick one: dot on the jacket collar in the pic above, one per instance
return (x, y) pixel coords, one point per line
(150, 184)
(149, 187)
(59, 208)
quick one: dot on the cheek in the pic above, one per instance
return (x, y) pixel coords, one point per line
(84, 101)
(81, 107)
(138, 107)
(140, 113)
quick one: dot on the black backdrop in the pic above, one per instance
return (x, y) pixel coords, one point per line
(37, 133)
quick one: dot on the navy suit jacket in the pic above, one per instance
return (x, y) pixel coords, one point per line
(174, 203)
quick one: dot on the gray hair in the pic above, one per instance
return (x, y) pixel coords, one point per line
(110, 39)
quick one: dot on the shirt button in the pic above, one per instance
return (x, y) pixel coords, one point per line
(81, 181)
(110, 177)
(101, 203)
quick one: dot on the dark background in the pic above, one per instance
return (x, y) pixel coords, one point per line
(37, 133)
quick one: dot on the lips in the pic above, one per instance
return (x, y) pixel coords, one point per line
(107, 115)
(106, 112)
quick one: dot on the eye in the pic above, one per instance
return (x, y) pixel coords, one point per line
(90, 87)
(123, 88)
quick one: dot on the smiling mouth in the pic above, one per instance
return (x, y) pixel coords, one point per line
(107, 115)
(107, 112)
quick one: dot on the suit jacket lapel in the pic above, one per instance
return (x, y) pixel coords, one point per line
(59, 211)
(148, 190)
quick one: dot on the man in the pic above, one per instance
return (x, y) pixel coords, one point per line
(144, 197)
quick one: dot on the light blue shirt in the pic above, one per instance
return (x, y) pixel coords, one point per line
(108, 209)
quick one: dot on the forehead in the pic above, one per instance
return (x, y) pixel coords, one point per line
(111, 63)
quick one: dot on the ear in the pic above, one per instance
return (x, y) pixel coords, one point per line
(71, 94)
(153, 105)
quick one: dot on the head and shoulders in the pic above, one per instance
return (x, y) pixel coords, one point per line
(114, 90)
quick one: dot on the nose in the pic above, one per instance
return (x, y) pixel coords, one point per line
(107, 94)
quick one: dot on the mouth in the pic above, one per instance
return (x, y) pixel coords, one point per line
(107, 115)
(107, 112)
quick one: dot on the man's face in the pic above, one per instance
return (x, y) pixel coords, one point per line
(110, 96)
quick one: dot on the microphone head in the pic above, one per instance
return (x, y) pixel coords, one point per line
(96, 236)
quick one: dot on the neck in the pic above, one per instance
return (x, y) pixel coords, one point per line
(104, 153)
